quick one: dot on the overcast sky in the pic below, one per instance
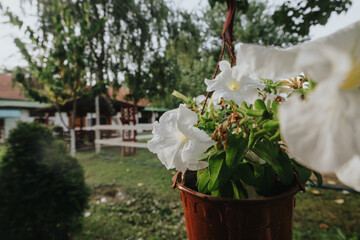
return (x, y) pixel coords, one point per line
(10, 57)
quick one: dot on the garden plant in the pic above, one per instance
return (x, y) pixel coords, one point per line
(42, 189)
(274, 117)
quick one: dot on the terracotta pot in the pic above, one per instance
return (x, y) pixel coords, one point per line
(209, 217)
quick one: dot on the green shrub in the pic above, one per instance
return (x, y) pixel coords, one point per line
(42, 190)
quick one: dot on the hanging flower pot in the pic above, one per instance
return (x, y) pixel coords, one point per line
(213, 218)
(242, 155)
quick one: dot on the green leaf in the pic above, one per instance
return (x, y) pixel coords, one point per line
(268, 105)
(210, 125)
(266, 150)
(260, 133)
(278, 160)
(236, 149)
(260, 105)
(236, 191)
(255, 113)
(303, 173)
(227, 190)
(271, 125)
(216, 193)
(276, 137)
(261, 121)
(275, 110)
(219, 172)
(264, 179)
(318, 178)
(244, 105)
(239, 192)
(244, 172)
(251, 139)
(203, 180)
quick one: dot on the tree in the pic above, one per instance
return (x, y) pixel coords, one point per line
(285, 24)
(129, 36)
(56, 58)
(255, 22)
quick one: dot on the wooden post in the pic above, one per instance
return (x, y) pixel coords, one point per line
(97, 131)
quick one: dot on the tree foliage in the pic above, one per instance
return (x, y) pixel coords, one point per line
(255, 22)
(275, 24)
(151, 49)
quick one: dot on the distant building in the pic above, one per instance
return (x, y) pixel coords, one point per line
(14, 106)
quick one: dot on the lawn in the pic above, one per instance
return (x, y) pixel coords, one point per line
(132, 199)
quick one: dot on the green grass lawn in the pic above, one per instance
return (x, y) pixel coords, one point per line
(140, 202)
(141, 205)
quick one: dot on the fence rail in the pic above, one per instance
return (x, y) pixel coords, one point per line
(118, 141)
(138, 127)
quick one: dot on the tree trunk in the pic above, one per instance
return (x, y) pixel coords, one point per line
(72, 142)
(72, 130)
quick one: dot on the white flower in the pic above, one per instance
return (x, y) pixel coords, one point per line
(322, 132)
(199, 100)
(233, 83)
(177, 142)
(349, 173)
(212, 105)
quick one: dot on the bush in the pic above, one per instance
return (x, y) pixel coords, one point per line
(42, 189)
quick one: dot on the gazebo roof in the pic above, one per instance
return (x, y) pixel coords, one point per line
(87, 105)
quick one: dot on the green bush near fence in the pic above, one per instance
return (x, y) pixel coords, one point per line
(42, 189)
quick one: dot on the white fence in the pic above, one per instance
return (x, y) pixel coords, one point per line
(118, 141)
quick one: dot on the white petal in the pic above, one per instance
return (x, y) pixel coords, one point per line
(349, 173)
(198, 165)
(247, 81)
(268, 62)
(224, 65)
(210, 85)
(167, 149)
(324, 63)
(320, 132)
(346, 39)
(217, 95)
(196, 146)
(167, 124)
(186, 120)
(276, 63)
(177, 142)
(200, 99)
(249, 96)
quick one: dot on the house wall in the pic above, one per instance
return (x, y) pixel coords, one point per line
(25, 116)
(9, 123)
(56, 120)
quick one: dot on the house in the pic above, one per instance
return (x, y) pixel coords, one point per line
(14, 106)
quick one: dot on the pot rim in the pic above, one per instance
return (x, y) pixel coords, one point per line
(291, 192)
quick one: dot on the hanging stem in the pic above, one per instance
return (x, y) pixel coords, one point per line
(228, 38)
(215, 73)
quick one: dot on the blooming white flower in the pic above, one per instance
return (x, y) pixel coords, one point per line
(213, 105)
(200, 99)
(322, 132)
(233, 83)
(177, 142)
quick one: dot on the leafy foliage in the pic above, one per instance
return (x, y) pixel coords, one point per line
(42, 189)
(273, 24)
(249, 158)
